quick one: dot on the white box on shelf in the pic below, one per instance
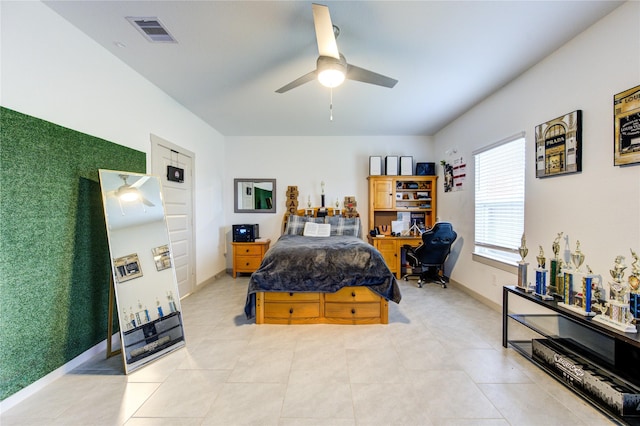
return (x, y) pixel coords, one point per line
(375, 166)
(406, 166)
(391, 165)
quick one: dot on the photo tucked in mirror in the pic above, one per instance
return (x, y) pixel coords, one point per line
(146, 289)
(254, 195)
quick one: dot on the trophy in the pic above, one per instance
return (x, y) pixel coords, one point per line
(555, 265)
(577, 258)
(616, 312)
(522, 265)
(570, 277)
(634, 278)
(634, 286)
(541, 277)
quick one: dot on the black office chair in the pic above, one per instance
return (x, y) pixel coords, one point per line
(429, 257)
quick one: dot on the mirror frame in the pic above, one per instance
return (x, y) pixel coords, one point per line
(144, 333)
(236, 209)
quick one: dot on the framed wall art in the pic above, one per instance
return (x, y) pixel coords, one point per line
(127, 268)
(559, 145)
(626, 129)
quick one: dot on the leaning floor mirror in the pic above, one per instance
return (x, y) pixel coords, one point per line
(145, 285)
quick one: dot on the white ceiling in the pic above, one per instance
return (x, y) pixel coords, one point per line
(231, 56)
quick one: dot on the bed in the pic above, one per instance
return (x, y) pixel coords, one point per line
(336, 279)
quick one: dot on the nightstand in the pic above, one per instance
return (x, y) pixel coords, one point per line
(248, 256)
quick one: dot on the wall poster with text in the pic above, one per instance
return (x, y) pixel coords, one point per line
(559, 145)
(626, 133)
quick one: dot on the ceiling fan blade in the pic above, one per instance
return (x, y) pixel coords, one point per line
(366, 76)
(325, 37)
(298, 82)
(140, 182)
(147, 202)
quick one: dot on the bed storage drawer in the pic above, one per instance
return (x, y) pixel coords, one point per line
(351, 305)
(291, 297)
(292, 310)
(352, 294)
(352, 310)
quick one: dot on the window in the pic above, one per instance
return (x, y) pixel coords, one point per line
(499, 199)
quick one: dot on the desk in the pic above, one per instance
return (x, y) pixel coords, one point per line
(391, 250)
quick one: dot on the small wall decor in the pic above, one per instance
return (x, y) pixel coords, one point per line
(447, 169)
(161, 257)
(559, 145)
(127, 268)
(626, 130)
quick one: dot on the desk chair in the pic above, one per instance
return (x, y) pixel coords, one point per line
(429, 257)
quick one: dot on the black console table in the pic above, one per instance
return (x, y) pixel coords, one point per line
(152, 337)
(599, 363)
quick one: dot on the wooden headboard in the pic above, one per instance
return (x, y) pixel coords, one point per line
(313, 212)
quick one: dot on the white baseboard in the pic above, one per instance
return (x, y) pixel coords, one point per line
(480, 298)
(39, 384)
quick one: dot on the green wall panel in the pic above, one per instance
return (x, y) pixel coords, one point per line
(54, 256)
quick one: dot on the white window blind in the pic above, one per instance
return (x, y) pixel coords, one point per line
(499, 198)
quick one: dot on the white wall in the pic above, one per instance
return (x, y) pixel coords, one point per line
(600, 206)
(52, 71)
(341, 162)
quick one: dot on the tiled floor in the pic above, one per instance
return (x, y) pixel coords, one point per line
(438, 362)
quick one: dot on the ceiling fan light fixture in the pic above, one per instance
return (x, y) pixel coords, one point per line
(331, 77)
(331, 71)
(128, 194)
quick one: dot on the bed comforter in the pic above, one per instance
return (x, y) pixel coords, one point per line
(297, 263)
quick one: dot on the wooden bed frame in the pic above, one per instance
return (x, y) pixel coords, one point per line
(349, 305)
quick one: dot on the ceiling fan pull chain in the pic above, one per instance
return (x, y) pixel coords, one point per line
(331, 104)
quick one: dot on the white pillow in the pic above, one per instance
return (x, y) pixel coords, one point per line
(316, 229)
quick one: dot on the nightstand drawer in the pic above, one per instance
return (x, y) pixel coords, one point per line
(247, 263)
(351, 310)
(352, 294)
(248, 250)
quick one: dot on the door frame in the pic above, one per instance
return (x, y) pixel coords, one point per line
(156, 143)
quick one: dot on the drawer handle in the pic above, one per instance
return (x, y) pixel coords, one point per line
(353, 294)
(291, 310)
(246, 264)
(291, 294)
(353, 311)
(246, 251)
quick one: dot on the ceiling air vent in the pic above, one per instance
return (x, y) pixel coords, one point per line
(152, 29)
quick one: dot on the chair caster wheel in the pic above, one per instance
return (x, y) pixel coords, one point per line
(406, 278)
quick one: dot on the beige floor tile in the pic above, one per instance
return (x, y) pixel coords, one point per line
(318, 400)
(186, 393)
(438, 362)
(247, 404)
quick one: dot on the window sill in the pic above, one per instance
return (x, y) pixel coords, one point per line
(503, 264)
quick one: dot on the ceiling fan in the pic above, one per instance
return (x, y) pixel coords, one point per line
(332, 67)
(131, 192)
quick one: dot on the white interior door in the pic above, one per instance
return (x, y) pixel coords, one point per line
(178, 203)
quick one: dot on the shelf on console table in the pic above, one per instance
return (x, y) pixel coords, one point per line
(606, 353)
